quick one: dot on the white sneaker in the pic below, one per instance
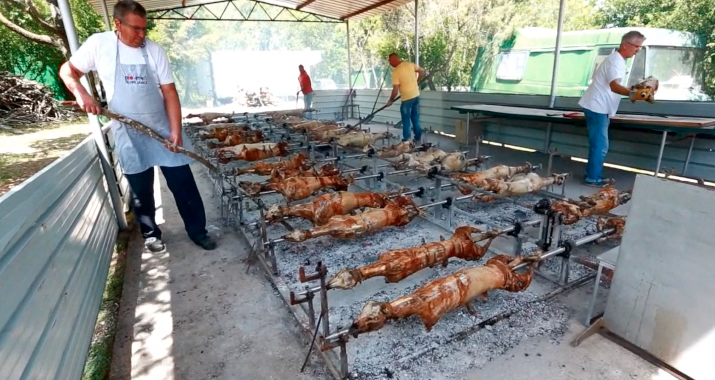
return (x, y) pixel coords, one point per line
(154, 244)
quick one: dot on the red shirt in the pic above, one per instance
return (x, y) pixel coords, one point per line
(304, 81)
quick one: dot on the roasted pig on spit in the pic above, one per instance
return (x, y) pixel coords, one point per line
(221, 131)
(252, 152)
(616, 222)
(399, 264)
(283, 174)
(437, 298)
(398, 212)
(360, 139)
(478, 179)
(324, 207)
(529, 183)
(297, 161)
(326, 133)
(307, 126)
(599, 203)
(295, 188)
(423, 162)
(236, 138)
(396, 150)
(209, 117)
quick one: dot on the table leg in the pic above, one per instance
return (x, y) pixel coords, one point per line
(690, 152)
(660, 154)
(592, 304)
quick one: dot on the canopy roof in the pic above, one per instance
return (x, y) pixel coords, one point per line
(335, 9)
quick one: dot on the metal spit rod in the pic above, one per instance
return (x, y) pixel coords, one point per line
(585, 240)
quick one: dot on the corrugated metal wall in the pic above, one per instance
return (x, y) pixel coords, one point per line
(630, 147)
(328, 103)
(57, 234)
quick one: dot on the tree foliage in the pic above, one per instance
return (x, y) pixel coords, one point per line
(33, 39)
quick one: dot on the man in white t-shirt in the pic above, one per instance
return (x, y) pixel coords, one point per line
(601, 100)
(139, 84)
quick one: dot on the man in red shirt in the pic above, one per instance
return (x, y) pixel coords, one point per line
(306, 88)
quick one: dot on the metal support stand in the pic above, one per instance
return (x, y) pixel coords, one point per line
(690, 152)
(660, 154)
(320, 272)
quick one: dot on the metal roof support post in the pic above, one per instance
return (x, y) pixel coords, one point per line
(105, 14)
(68, 22)
(417, 40)
(557, 54)
(350, 62)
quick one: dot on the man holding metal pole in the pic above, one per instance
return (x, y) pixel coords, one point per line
(306, 88)
(140, 85)
(601, 100)
(405, 81)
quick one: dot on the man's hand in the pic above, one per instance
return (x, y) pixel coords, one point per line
(87, 103)
(389, 102)
(175, 139)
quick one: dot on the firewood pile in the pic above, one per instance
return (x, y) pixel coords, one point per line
(24, 102)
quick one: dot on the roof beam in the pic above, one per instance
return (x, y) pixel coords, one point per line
(304, 4)
(366, 9)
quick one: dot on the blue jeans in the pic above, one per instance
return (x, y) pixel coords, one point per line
(307, 103)
(597, 124)
(410, 112)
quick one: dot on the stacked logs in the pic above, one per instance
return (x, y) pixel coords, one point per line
(24, 102)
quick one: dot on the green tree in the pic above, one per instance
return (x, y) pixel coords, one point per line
(33, 38)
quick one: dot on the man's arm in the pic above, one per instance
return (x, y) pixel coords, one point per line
(618, 88)
(81, 62)
(421, 74)
(70, 76)
(393, 95)
(173, 111)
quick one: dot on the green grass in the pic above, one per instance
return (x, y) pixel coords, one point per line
(99, 359)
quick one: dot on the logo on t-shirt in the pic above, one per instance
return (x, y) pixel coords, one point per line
(131, 79)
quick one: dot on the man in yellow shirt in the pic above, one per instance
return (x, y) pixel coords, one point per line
(405, 81)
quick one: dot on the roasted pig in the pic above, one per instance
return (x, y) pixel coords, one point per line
(437, 298)
(307, 126)
(295, 188)
(453, 162)
(236, 138)
(478, 179)
(396, 150)
(399, 264)
(398, 212)
(360, 139)
(324, 207)
(209, 117)
(616, 222)
(297, 161)
(599, 203)
(423, 162)
(326, 133)
(282, 174)
(519, 186)
(221, 131)
(252, 152)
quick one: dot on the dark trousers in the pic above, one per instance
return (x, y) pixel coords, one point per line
(186, 195)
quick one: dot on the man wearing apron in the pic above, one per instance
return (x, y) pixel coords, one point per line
(139, 84)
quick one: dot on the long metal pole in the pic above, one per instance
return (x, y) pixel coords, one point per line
(105, 14)
(350, 62)
(68, 22)
(557, 54)
(350, 65)
(417, 32)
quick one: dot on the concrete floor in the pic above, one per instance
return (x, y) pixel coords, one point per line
(192, 314)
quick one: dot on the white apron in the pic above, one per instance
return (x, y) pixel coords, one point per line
(137, 96)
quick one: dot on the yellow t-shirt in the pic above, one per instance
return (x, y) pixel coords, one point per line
(405, 75)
